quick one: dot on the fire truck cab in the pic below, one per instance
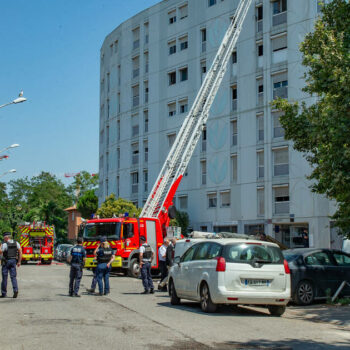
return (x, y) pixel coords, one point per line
(123, 235)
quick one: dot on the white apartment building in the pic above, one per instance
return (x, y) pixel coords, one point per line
(244, 176)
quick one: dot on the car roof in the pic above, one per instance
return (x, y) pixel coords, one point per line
(226, 241)
(303, 251)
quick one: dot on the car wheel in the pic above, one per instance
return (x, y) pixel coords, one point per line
(174, 299)
(134, 268)
(206, 303)
(276, 310)
(304, 294)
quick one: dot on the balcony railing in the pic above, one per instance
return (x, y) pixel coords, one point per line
(204, 178)
(136, 44)
(281, 169)
(261, 135)
(259, 26)
(204, 146)
(204, 46)
(280, 92)
(281, 207)
(261, 172)
(135, 101)
(234, 105)
(146, 97)
(135, 72)
(234, 140)
(134, 188)
(260, 99)
(279, 18)
(135, 159)
(134, 130)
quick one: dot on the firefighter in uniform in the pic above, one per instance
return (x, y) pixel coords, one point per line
(77, 260)
(11, 256)
(105, 257)
(146, 257)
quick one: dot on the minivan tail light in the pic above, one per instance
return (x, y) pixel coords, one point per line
(221, 264)
(286, 267)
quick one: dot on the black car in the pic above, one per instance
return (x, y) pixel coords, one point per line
(314, 271)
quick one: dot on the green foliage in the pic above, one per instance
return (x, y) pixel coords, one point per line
(322, 130)
(112, 206)
(182, 220)
(87, 204)
(82, 183)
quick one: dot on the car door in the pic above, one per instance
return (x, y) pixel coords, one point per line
(322, 270)
(180, 271)
(343, 270)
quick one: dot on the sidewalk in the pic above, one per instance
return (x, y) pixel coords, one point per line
(337, 315)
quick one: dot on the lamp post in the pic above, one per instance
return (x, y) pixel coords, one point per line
(19, 99)
(3, 157)
(12, 146)
(8, 172)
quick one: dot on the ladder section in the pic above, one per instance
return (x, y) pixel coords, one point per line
(181, 151)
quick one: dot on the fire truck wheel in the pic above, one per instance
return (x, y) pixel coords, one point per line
(134, 268)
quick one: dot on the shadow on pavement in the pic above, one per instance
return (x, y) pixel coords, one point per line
(225, 310)
(288, 344)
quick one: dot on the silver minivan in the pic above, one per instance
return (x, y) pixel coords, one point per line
(231, 271)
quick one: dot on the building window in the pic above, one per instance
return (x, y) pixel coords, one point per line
(234, 97)
(234, 168)
(260, 91)
(116, 46)
(171, 109)
(260, 158)
(260, 127)
(225, 199)
(183, 202)
(280, 85)
(108, 82)
(183, 42)
(183, 106)
(280, 162)
(204, 40)
(136, 38)
(259, 19)
(171, 139)
(212, 200)
(234, 133)
(260, 47)
(279, 43)
(134, 125)
(211, 3)
(172, 78)
(172, 16)
(281, 199)
(261, 201)
(145, 121)
(145, 151)
(234, 57)
(172, 47)
(117, 185)
(136, 66)
(279, 11)
(135, 153)
(146, 30)
(118, 102)
(145, 181)
(107, 134)
(145, 84)
(135, 182)
(204, 140)
(183, 74)
(119, 75)
(203, 172)
(118, 158)
(108, 109)
(107, 162)
(278, 130)
(203, 70)
(145, 57)
(183, 10)
(135, 96)
(118, 130)
(107, 187)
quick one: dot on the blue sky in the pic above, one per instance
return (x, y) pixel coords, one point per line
(50, 49)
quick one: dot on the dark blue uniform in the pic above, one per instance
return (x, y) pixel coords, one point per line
(9, 266)
(76, 271)
(104, 256)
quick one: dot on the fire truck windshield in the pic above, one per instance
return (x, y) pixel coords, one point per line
(111, 230)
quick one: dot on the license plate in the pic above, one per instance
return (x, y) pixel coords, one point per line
(251, 282)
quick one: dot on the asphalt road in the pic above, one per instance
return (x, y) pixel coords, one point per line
(44, 317)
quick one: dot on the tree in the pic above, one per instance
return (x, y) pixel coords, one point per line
(182, 220)
(87, 204)
(322, 130)
(83, 182)
(112, 206)
(4, 222)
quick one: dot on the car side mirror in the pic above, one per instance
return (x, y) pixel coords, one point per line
(177, 260)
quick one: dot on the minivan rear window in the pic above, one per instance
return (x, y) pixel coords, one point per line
(248, 253)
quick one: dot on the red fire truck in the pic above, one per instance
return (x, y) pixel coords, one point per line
(37, 242)
(124, 233)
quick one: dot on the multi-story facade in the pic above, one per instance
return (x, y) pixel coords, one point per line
(244, 176)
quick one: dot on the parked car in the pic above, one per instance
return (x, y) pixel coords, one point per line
(231, 271)
(314, 271)
(346, 246)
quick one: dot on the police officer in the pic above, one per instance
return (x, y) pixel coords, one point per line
(146, 257)
(12, 256)
(105, 257)
(77, 260)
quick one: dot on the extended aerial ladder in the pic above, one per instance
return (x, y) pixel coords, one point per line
(163, 191)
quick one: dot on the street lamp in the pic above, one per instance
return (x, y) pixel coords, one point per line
(8, 172)
(3, 157)
(12, 146)
(19, 99)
